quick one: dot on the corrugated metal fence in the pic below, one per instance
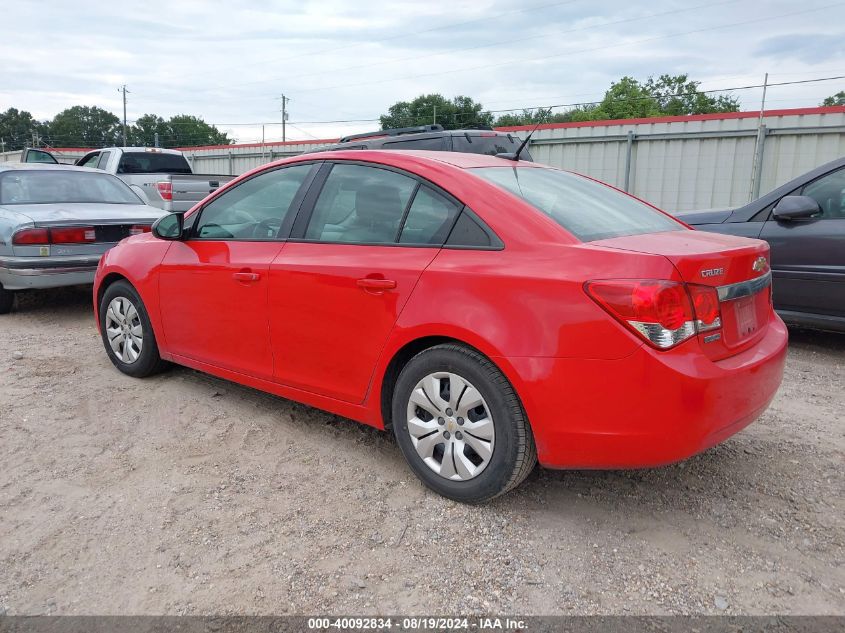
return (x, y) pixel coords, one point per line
(676, 163)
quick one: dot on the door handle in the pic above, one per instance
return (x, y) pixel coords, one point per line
(246, 276)
(376, 285)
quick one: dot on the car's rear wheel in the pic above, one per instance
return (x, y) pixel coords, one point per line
(460, 424)
(7, 300)
(126, 331)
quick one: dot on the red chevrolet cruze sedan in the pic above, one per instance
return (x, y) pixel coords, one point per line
(493, 313)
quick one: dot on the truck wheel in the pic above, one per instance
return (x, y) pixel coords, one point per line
(7, 300)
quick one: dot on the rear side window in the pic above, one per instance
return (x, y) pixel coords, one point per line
(418, 143)
(587, 209)
(153, 163)
(490, 144)
(429, 219)
(360, 204)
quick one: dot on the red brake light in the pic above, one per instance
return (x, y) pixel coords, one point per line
(664, 313)
(137, 229)
(705, 302)
(165, 190)
(73, 235)
(31, 236)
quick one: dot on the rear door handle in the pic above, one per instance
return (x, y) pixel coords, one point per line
(376, 285)
(246, 276)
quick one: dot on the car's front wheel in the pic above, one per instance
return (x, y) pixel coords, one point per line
(127, 334)
(460, 424)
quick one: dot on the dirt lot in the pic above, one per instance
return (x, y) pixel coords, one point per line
(186, 494)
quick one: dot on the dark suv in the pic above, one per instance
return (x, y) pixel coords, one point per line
(434, 137)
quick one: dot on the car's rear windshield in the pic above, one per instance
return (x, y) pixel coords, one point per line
(152, 163)
(60, 185)
(587, 209)
(489, 143)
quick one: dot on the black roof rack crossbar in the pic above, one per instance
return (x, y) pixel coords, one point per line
(417, 129)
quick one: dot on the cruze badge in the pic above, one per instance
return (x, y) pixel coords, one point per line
(712, 272)
(760, 265)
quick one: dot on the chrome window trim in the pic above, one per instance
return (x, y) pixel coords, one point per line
(744, 288)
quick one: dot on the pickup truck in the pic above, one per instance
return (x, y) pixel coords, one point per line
(162, 177)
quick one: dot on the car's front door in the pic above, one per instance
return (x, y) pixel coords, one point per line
(337, 288)
(808, 255)
(214, 284)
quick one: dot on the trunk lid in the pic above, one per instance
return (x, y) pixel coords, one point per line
(87, 213)
(737, 267)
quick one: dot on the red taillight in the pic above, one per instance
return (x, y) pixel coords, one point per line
(705, 303)
(137, 229)
(73, 235)
(165, 190)
(664, 313)
(56, 235)
(31, 236)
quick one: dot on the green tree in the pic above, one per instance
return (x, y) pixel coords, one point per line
(677, 95)
(184, 130)
(83, 126)
(144, 130)
(835, 100)
(16, 127)
(456, 113)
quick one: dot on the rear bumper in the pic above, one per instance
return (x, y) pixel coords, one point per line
(650, 408)
(22, 273)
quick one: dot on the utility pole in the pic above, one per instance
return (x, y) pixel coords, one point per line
(124, 91)
(757, 165)
(2, 146)
(156, 139)
(434, 118)
(284, 115)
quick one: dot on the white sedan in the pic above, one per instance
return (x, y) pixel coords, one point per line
(56, 221)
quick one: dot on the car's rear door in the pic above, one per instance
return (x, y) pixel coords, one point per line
(359, 246)
(808, 255)
(213, 285)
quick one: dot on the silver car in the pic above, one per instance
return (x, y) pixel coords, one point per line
(56, 221)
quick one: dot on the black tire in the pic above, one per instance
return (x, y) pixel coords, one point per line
(148, 361)
(7, 300)
(514, 454)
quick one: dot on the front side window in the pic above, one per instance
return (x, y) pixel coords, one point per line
(587, 209)
(360, 204)
(430, 218)
(254, 209)
(66, 186)
(104, 160)
(90, 160)
(829, 192)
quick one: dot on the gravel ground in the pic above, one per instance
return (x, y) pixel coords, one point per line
(187, 494)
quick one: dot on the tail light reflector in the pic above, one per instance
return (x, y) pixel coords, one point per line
(664, 313)
(165, 190)
(31, 236)
(137, 229)
(73, 235)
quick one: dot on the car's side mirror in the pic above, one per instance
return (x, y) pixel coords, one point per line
(795, 208)
(169, 227)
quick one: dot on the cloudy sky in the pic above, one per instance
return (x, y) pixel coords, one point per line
(348, 61)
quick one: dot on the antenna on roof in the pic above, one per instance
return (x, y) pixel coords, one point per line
(525, 142)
